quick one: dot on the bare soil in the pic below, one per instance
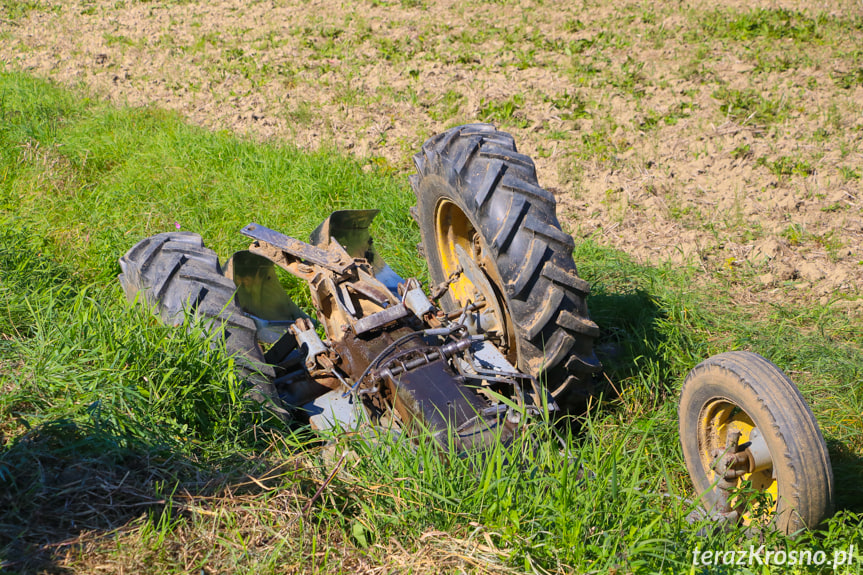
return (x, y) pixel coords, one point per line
(676, 132)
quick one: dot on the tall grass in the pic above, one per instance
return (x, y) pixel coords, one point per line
(115, 425)
(85, 357)
(95, 179)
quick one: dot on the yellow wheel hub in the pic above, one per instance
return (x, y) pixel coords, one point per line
(463, 255)
(717, 419)
(454, 229)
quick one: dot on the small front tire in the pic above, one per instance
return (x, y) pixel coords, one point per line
(743, 391)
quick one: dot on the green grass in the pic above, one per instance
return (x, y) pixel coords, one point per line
(848, 80)
(15, 9)
(504, 112)
(116, 175)
(129, 444)
(771, 24)
(748, 105)
(570, 106)
(448, 106)
(786, 166)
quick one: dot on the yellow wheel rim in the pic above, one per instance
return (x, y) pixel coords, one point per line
(453, 228)
(717, 419)
(454, 232)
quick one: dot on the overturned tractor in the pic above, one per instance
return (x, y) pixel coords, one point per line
(504, 332)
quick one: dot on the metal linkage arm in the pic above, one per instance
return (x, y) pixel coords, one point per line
(328, 259)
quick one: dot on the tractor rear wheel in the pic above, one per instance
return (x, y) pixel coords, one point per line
(488, 226)
(176, 275)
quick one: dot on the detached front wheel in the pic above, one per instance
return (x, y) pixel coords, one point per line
(752, 446)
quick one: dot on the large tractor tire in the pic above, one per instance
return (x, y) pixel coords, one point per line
(791, 487)
(488, 226)
(177, 275)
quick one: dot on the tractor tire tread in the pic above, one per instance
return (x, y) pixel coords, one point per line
(497, 188)
(175, 275)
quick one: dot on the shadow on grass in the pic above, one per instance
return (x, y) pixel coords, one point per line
(64, 487)
(847, 471)
(629, 345)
